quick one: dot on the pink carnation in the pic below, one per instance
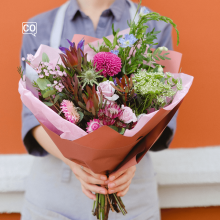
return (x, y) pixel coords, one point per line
(109, 62)
(93, 125)
(70, 112)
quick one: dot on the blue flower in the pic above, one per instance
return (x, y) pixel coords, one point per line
(143, 11)
(115, 52)
(127, 41)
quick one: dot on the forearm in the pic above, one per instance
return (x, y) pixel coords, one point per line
(46, 142)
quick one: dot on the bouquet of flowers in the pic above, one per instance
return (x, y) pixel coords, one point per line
(105, 104)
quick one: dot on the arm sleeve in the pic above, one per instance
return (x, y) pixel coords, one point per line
(164, 39)
(28, 119)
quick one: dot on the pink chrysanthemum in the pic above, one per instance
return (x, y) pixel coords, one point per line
(111, 110)
(109, 62)
(93, 125)
(70, 111)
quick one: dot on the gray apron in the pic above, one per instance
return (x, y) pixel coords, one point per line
(54, 193)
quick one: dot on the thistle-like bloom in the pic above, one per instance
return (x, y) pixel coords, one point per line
(127, 41)
(108, 63)
(90, 77)
(93, 125)
(69, 111)
(143, 11)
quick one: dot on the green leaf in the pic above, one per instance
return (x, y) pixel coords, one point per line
(161, 57)
(122, 131)
(68, 72)
(45, 58)
(61, 67)
(104, 49)
(82, 105)
(111, 79)
(60, 97)
(93, 48)
(48, 104)
(107, 42)
(114, 42)
(42, 83)
(114, 127)
(49, 93)
(113, 29)
(81, 116)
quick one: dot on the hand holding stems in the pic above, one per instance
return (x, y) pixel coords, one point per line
(89, 180)
(119, 182)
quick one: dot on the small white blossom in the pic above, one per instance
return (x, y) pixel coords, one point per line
(163, 48)
(179, 86)
(160, 69)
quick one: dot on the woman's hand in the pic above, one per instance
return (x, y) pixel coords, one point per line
(120, 182)
(89, 180)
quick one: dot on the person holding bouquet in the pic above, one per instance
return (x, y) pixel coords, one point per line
(57, 188)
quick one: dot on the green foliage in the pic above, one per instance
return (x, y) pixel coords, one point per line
(20, 71)
(42, 83)
(60, 97)
(45, 58)
(157, 55)
(154, 90)
(49, 92)
(48, 104)
(119, 130)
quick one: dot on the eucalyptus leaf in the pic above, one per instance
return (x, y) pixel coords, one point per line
(42, 83)
(48, 104)
(59, 96)
(81, 116)
(49, 93)
(45, 58)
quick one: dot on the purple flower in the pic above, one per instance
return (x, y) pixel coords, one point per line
(81, 45)
(72, 44)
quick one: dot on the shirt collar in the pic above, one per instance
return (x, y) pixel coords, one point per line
(117, 9)
(72, 9)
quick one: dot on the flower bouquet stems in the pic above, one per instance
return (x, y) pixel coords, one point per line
(103, 203)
